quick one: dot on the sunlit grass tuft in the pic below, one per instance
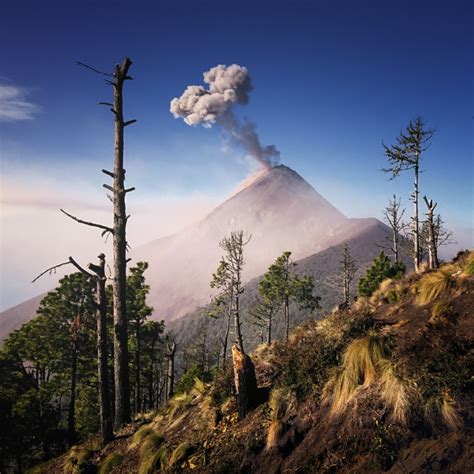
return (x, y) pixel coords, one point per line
(434, 284)
(111, 461)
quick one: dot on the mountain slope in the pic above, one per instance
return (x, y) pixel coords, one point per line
(323, 266)
(280, 211)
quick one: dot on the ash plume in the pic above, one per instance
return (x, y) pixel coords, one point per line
(227, 85)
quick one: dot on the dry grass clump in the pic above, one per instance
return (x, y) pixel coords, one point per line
(439, 308)
(178, 404)
(140, 435)
(154, 461)
(77, 460)
(434, 284)
(151, 452)
(469, 266)
(444, 407)
(449, 412)
(180, 454)
(362, 304)
(366, 363)
(282, 400)
(111, 461)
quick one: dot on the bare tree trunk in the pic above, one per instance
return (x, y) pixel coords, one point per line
(287, 317)
(432, 247)
(237, 328)
(71, 421)
(137, 370)
(269, 330)
(106, 426)
(170, 371)
(122, 383)
(416, 222)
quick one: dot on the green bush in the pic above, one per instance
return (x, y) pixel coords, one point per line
(380, 270)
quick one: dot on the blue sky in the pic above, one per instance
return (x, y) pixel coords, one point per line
(331, 81)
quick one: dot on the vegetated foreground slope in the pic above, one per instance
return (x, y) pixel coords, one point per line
(385, 386)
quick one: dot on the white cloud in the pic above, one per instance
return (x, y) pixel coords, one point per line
(14, 104)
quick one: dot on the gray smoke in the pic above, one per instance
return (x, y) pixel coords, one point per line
(227, 86)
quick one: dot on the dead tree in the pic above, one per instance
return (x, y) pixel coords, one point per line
(170, 354)
(406, 155)
(106, 426)
(393, 215)
(118, 231)
(432, 248)
(348, 268)
(244, 370)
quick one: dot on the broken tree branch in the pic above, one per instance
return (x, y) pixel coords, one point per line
(50, 270)
(92, 224)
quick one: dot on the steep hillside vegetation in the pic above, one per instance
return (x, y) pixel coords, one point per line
(385, 386)
(324, 267)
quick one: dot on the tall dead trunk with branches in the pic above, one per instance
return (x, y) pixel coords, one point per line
(122, 380)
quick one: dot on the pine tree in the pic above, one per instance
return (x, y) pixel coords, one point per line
(381, 268)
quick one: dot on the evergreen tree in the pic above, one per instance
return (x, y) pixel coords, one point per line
(381, 268)
(138, 312)
(279, 287)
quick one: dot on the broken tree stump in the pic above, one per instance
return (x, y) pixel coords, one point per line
(245, 382)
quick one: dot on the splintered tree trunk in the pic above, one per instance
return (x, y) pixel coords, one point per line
(245, 381)
(432, 247)
(122, 383)
(105, 413)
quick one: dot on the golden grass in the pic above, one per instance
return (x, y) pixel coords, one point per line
(154, 461)
(366, 363)
(434, 284)
(449, 412)
(111, 461)
(150, 444)
(439, 308)
(281, 401)
(275, 432)
(179, 403)
(77, 459)
(469, 267)
(361, 304)
(140, 435)
(180, 454)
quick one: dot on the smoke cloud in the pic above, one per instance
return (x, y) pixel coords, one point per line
(226, 86)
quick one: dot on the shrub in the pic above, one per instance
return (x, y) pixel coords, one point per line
(381, 269)
(111, 461)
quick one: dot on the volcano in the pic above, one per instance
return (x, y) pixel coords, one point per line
(278, 210)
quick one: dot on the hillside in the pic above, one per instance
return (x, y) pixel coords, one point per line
(323, 266)
(384, 386)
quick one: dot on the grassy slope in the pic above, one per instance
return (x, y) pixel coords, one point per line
(384, 386)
